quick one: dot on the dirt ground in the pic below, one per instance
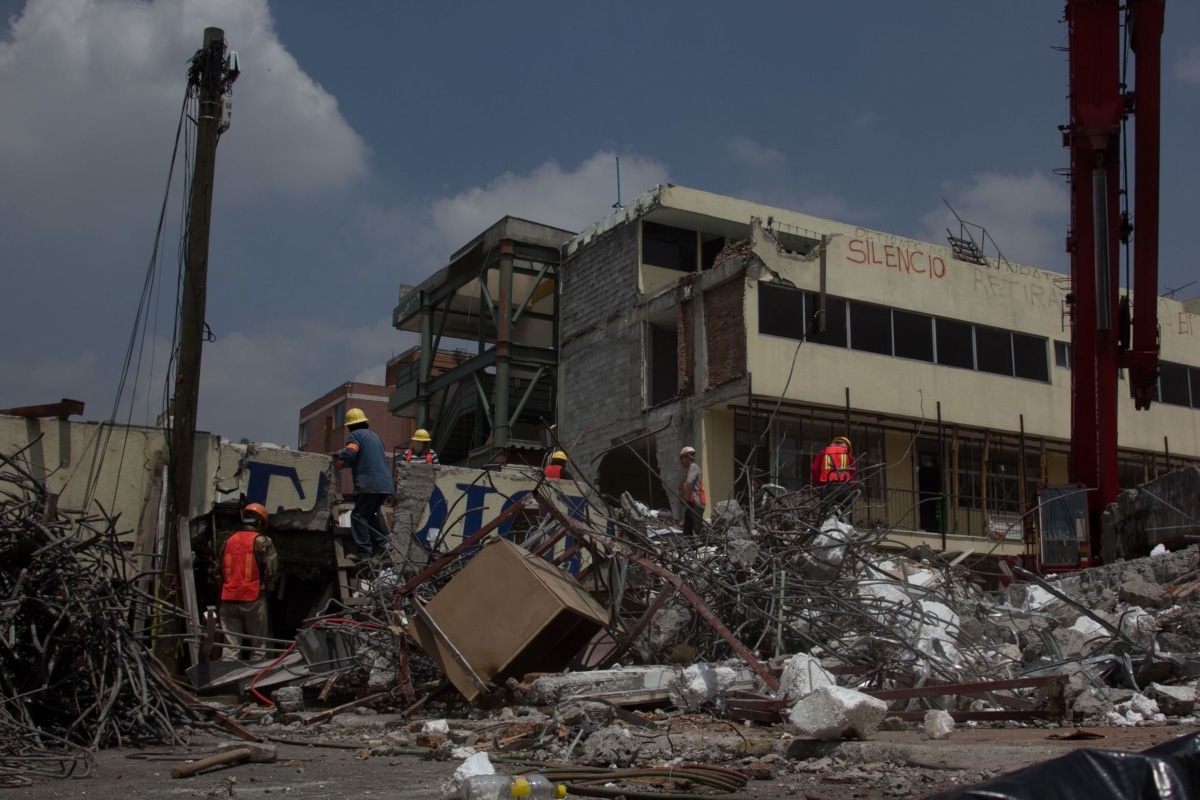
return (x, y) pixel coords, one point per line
(890, 764)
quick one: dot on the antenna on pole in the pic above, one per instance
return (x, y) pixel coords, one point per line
(618, 204)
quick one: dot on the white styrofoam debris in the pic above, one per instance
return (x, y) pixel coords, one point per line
(436, 726)
(475, 764)
(1159, 550)
(831, 712)
(802, 675)
(939, 724)
(463, 752)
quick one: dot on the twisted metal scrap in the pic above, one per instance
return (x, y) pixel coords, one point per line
(73, 677)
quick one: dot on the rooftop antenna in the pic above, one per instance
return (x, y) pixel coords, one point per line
(618, 204)
(1170, 293)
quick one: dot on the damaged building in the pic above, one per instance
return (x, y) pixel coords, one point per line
(758, 334)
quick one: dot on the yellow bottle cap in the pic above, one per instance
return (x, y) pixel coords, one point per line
(560, 790)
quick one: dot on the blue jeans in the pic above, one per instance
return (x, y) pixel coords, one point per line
(366, 523)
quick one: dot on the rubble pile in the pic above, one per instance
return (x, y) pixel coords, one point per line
(786, 612)
(72, 675)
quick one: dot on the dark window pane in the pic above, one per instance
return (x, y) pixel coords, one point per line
(835, 320)
(1194, 376)
(780, 311)
(1062, 354)
(993, 350)
(954, 346)
(1029, 356)
(672, 248)
(664, 366)
(913, 335)
(871, 328)
(1173, 383)
(710, 246)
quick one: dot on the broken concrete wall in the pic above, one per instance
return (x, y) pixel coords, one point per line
(438, 506)
(293, 486)
(1164, 511)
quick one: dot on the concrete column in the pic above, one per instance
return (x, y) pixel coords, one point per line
(426, 365)
(501, 428)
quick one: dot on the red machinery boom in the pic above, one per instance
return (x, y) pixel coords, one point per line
(1100, 342)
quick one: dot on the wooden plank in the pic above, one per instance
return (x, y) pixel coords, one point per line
(187, 587)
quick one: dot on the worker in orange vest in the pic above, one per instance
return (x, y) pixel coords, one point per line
(420, 450)
(692, 492)
(834, 470)
(249, 568)
(557, 470)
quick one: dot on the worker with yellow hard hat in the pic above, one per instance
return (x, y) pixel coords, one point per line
(420, 448)
(365, 455)
(557, 469)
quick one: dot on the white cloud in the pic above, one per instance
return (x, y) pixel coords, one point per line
(865, 119)
(1187, 65)
(92, 91)
(1026, 215)
(254, 382)
(425, 234)
(745, 150)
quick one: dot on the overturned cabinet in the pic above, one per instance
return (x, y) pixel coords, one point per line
(507, 613)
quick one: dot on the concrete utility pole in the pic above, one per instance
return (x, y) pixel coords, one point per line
(209, 77)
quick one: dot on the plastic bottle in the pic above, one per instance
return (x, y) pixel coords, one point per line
(537, 787)
(509, 787)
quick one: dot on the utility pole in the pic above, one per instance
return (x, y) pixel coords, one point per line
(209, 77)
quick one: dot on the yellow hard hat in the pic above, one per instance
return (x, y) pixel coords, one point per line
(421, 435)
(558, 455)
(842, 440)
(355, 416)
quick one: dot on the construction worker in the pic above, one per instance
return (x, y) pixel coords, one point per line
(420, 449)
(249, 568)
(833, 470)
(692, 492)
(372, 485)
(557, 470)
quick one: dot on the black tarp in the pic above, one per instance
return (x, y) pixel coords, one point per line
(1170, 771)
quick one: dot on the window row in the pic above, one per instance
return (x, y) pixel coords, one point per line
(1178, 384)
(791, 313)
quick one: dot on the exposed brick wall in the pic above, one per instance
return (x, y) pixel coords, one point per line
(725, 331)
(394, 431)
(685, 351)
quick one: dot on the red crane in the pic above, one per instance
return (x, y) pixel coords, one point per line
(1101, 323)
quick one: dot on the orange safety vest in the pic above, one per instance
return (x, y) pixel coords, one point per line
(553, 472)
(697, 497)
(408, 454)
(239, 568)
(836, 464)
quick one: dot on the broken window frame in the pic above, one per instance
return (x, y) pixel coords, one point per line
(669, 247)
(781, 312)
(662, 363)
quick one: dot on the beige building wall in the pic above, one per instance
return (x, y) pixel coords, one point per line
(92, 465)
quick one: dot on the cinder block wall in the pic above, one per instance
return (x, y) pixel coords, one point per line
(600, 350)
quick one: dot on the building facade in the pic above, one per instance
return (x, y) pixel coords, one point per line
(758, 334)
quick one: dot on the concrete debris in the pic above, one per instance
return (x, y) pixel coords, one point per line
(288, 698)
(938, 724)
(1176, 701)
(699, 685)
(802, 675)
(832, 712)
(613, 746)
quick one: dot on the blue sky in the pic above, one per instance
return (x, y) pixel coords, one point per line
(371, 139)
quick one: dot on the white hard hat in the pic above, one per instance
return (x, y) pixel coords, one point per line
(687, 451)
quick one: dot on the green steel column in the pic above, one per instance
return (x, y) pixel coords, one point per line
(501, 427)
(426, 364)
